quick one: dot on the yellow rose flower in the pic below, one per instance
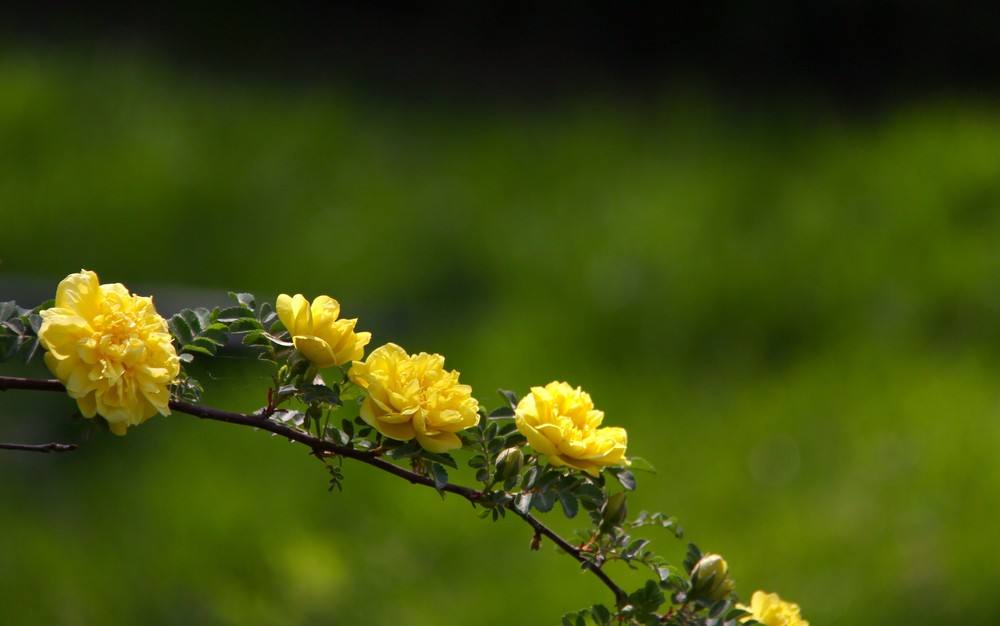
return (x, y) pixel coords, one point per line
(317, 333)
(111, 350)
(414, 396)
(769, 609)
(561, 423)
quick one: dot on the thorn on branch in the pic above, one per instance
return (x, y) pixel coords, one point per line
(39, 447)
(536, 540)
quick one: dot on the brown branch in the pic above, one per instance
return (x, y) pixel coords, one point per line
(573, 551)
(32, 384)
(322, 447)
(39, 447)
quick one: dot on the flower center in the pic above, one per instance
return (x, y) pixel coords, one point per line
(118, 328)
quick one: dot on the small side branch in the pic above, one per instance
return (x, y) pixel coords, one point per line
(543, 530)
(39, 447)
(31, 384)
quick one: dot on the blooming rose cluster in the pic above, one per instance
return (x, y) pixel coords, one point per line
(110, 349)
(114, 354)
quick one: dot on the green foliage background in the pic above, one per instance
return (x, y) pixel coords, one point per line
(795, 314)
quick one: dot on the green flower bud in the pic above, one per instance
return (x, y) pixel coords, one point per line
(710, 579)
(509, 462)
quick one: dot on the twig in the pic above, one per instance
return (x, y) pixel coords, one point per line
(573, 551)
(32, 384)
(322, 447)
(39, 447)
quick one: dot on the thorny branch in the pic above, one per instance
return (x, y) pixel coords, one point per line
(39, 447)
(324, 448)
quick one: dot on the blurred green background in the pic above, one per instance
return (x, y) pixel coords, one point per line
(795, 312)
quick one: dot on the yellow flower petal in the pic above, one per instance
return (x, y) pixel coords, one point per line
(401, 430)
(315, 349)
(441, 442)
(325, 310)
(80, 293)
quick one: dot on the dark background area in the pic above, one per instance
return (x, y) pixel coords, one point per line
(853, 53)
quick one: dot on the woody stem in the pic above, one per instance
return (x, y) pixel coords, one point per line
(323, 447)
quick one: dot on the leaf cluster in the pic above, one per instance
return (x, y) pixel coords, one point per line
(19, 329)
(509, 473)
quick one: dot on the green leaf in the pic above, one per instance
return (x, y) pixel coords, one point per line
(544, 501)
(548, 478)
(233, 313)
(530, 477)
(718, 608)
(440, 476)
(33, 350)
(640, 464)
(477, 461)
(601, 614)
(278, 342)
(406, 450)
(504, 411)
(736, 613)
(337, 435)
(206, 342)
(269, 318)
(439, 457)
(244, 324)
(293, 419)
(570, 506)
(692, 558)
(197, 349)
(509, 396)
(48, 304)
(647, 599)
(590, 494)
(634, 548)
(626, 478)
(9, 344)
(14, 325)
(194, 321)
(313, 394)
(180, 329)
(256, 338)
(614, 512)
(197, 332)
(8, 310)
(35, 321)
(523, 502)
(245, 299)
